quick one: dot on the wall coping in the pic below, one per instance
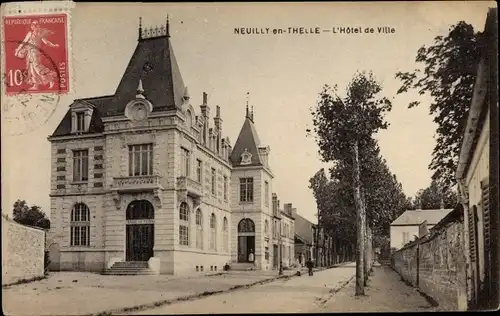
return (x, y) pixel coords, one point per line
(22, 225)
(454, 216)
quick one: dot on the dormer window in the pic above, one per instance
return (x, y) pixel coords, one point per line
(80, 121)
(81, 116)
(246, 157)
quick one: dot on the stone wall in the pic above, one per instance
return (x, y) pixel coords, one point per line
(436, 265)
(22, 252)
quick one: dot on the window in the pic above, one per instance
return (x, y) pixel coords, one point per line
(80, 121)
(266, 193)
(213, 241)
(213, 182)
(199, 229)
(266, 228)
(406, 237)
(246, 189)
(80, 225)
(226, 234)
(80, 165)
(198, 171)
(225, 188)
(140, 159)
(184, 225)
(185, 167)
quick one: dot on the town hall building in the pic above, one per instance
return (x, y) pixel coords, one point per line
(142, 179)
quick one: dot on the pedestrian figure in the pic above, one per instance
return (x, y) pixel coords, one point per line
(309, 265)
(299, 267)
(251, 256)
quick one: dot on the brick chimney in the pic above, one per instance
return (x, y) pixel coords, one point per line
(275, 204)
(288, 208)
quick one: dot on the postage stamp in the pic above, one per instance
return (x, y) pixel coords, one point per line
(36, 63)
(36, 54)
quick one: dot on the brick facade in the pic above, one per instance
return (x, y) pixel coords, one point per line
(22, 252)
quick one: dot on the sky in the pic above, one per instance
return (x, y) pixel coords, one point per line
(283, 74)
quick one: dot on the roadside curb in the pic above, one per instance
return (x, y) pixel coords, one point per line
(186, 298)
(196, 296)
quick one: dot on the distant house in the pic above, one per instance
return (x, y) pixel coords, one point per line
(304, 238)
(409, 224)
(477, 177)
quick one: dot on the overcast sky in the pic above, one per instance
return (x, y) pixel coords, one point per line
(283, 73)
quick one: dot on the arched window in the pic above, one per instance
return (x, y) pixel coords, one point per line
(266, 228)
(226, 234)
(80, 225)
(199, 229)
(213, 241)
(184, 224)
(246, 225)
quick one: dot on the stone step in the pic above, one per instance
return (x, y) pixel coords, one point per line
(141, 272)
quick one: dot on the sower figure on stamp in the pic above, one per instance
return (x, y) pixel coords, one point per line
(36, 72)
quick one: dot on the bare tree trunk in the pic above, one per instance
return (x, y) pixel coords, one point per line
(360, 224)
(366, 267)
(316, 257)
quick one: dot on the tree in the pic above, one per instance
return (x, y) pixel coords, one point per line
(450, 66)
(31, 216)
(431, 197)
(344, 126)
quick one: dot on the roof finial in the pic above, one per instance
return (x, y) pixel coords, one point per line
(248, 112)
(140, 90)
(251, 115)
(168, 27)
(140, 28)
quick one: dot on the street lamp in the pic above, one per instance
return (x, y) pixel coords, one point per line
(280, 252)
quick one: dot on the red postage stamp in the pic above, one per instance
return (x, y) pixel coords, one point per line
(36, 54)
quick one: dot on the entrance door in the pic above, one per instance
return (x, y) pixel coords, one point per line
(140, 240)
(139, 231)
(246, 239)
(242, 249)
(246, 244)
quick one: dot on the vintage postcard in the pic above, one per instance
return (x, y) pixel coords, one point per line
(206, 158)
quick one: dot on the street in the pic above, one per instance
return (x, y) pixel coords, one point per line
(304, 294)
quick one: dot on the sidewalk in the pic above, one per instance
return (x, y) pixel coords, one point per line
(385, 293)
(80, 293)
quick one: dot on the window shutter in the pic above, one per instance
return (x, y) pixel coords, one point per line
(472, 236)
(485, 198)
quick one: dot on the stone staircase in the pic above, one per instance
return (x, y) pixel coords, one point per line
(242, 266)
(129, 268)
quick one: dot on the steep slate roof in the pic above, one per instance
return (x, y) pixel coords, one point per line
(153, 61)
(303, 229)
(247, 139)
(417, 217)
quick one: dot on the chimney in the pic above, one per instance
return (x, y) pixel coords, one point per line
(288, 208)
(294, 212)
(205, 111)
(275, 203)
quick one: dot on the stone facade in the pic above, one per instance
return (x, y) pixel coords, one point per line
(22, 252)
(154, 150)
(436, 264)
